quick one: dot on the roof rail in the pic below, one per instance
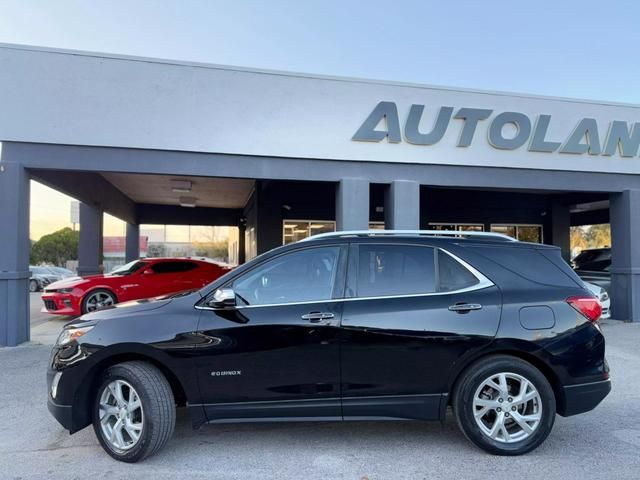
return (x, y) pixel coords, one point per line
(426, 233)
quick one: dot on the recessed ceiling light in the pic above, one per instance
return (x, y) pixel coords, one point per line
(181, 186)
(189, 202)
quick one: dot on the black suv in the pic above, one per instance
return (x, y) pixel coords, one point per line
(346, 326)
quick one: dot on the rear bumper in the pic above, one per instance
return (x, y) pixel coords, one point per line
(583, 398)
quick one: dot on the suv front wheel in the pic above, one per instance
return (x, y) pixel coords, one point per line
(134, 411)
(504, 405)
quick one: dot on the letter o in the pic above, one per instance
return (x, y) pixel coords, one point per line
(522, 123)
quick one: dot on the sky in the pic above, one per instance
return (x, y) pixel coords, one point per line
(580, 49)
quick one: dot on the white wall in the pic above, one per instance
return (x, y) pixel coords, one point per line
(86, 99)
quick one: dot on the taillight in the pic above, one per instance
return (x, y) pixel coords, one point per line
(588, 306)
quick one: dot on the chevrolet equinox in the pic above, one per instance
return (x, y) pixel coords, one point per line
(380, 325)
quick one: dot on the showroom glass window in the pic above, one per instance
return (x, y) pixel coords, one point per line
(524, 233)
(302, 276)
(386, 270)
(295, 230)
(457, 227)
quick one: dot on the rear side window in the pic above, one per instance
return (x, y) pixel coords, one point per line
(173, 267)
(529, 263)
(452, 275)
(385, 270)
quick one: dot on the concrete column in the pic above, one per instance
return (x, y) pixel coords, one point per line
(402, 205)
(561, 228)
(14, 254)
(352, 204)
(90, 247)
(625, 266)
(132, 247)
(242, 254)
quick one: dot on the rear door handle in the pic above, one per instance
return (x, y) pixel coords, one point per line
(315, 317)
(464, 307)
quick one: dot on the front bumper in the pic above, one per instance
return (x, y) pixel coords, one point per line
(583, 398)
(62, 413)
(60, 304)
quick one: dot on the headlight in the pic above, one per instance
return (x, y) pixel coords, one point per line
(59, 290)
(68, 335)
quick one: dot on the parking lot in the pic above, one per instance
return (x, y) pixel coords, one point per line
(604, 443)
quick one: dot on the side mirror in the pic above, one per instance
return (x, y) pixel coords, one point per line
(148, 271)
(223, 298)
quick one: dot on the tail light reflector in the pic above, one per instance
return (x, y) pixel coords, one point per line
(588, 306)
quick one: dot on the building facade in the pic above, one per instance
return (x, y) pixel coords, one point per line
(283, 155)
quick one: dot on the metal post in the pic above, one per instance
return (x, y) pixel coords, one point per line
(625, 266)
(352, 204)
(132, 244)
(14, 254)
(402, 205)
(561, 228)
(90, 247)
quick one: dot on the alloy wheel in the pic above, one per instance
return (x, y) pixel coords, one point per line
(121, 415)
(507, 407)
(99, 300)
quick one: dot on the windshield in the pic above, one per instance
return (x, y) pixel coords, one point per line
(40, 271)
(129, 268)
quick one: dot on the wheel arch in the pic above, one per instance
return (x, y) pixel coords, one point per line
(511, 351)
(82, 406)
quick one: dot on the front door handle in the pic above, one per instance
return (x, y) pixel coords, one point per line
(315, 317)
(464, 307)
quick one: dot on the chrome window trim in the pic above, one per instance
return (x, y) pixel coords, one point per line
(483, 282)
(477, 286)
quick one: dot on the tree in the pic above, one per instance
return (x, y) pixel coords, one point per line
(590, 236)
(56, 248)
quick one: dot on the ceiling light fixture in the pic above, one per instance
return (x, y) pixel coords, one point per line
(181, 186)
(189, 202)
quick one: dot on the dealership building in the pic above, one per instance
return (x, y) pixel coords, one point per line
(284, 155)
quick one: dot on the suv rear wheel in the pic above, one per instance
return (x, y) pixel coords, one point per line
(134, 411)
(504, 405)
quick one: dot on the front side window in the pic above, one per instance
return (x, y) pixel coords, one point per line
(385, 270)
(302, 276)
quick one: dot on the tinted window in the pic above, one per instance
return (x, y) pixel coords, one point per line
(301, 276)
(452, 275)
(395, 270)
(173, 267)
(40, 271)
(530, 264)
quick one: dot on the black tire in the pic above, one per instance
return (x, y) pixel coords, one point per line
(87, 297)
(473, 378)
(158, 405)
(34, 286)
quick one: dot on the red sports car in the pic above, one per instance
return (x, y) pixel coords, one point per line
(144, 278)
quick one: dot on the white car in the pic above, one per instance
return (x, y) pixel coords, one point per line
(603, 296)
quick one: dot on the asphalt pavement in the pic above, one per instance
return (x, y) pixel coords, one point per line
(603, 444)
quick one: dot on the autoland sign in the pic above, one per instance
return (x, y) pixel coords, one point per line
(585, 137)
